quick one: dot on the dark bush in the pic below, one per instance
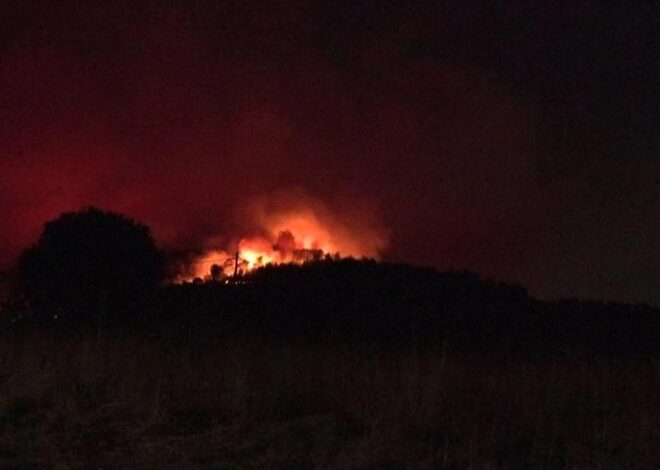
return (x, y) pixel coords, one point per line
(89, 264)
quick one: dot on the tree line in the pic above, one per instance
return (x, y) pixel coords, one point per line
(103, 269)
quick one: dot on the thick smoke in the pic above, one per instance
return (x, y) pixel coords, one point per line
(287, 226)
(202, 121)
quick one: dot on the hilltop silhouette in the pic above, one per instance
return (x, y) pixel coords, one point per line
(325, 355)
(399, 305)
(103, 266)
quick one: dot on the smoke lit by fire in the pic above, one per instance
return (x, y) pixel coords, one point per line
(296, 236)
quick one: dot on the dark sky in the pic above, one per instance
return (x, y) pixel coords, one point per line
(518, 141)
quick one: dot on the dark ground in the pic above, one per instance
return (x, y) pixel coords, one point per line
(339, 365)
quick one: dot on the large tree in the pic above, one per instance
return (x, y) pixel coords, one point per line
(89, 263)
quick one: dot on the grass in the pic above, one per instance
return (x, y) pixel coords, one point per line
(126, 402)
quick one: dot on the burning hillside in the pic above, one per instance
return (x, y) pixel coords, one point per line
(295, 236)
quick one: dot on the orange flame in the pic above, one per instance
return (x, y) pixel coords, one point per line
(292, 237)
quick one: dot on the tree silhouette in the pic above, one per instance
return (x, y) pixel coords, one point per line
(88, 264)
(217, 273)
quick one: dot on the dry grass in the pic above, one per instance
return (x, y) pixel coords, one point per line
(130, 403)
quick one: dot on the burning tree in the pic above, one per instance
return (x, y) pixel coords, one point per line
(295, 236)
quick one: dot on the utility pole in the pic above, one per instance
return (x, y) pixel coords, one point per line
(236, 265)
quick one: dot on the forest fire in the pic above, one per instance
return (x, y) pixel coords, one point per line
(290, 238)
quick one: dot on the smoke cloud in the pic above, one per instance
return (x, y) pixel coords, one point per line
(412, 132)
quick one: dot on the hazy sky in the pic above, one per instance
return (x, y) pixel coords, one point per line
(520, 141)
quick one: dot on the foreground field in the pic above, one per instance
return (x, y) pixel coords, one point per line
(117, 402)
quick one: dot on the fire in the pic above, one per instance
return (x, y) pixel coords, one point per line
(291, 237)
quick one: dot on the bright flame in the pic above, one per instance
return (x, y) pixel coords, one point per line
(292, 237)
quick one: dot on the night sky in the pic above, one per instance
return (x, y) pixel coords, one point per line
(521, 141)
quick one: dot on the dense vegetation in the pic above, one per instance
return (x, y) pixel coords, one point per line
(332, 364)
(393, 305)
(89, 263)
(397, 306)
